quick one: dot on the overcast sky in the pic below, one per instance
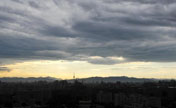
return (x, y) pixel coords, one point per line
(99, 32)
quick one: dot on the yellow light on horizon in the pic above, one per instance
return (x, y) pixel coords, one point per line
(65, 69)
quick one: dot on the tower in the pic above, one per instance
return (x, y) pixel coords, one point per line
(74, 75)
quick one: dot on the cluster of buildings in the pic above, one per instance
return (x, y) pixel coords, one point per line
(24, 99)
(78, 95)
(122, 100)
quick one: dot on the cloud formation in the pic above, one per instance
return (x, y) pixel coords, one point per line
(4, 69)
(137, 30)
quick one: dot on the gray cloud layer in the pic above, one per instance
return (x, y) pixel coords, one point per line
(137, 30)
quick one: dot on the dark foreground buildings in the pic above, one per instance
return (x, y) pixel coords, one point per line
(61, 94)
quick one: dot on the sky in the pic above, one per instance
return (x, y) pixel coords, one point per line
(57, 38)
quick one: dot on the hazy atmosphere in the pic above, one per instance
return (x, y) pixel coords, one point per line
(57, 38)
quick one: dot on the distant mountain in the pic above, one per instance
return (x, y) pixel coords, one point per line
(114, 79)
(29, 79)
(84, 80)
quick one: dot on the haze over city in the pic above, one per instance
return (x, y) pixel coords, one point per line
(57, 38)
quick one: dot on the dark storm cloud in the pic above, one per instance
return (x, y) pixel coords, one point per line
(117, 32)
(94, 31)
(5, 19)
(4, 69)
(56, 31)
(33, 4)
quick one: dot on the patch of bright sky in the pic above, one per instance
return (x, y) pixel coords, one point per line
(82, 69)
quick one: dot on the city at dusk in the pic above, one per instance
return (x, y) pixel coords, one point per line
(87, 53)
